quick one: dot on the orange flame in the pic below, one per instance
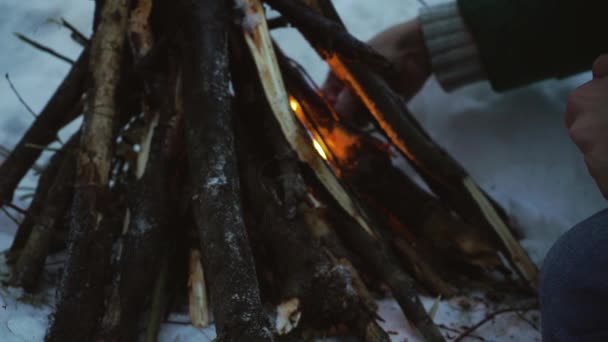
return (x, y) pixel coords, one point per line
(319, 149)
(295, 107)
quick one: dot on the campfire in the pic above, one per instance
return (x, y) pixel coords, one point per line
(209, 164)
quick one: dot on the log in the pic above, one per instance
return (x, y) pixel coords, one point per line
(146, 239)
(380, 259)
(63, 107)
(30, 265)
(45, 182)
(315, 290)
(336, 39)
(446, 177)
(216, 200)
(92, 224)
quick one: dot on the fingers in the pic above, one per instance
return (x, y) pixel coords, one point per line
(600, 67)
(589, 97)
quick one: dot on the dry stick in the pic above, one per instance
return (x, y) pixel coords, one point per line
(444, 175)
(16, 92)
(488, 318)
(30, 265)
(44, 48)
(216, 197)
(334, 36)
(62, 108)
(76, 35)
(79, 298)
(159, 302)
(198, 306)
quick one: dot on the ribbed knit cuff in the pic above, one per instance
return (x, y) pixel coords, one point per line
(454, 55)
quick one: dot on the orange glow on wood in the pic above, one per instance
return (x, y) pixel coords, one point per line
(319, 149)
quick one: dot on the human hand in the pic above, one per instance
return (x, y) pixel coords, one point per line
(404, 46)
(587, 122)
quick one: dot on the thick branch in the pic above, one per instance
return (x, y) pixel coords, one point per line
(62, 108)
(30, 265)
(45, 182)
(91, 230)
(379, 258)
(333, 37)
(216, 200)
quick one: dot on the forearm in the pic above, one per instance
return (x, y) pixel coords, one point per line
(513, 42)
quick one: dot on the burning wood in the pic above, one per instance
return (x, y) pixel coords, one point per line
(206, 157)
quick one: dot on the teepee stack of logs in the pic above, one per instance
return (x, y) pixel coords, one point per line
(208, 164)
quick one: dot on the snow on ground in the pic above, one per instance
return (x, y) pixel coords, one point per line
(514, 144)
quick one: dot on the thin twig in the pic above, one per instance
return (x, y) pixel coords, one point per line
(457, 331)
(16, 208)
(43, 148)
(10, 216)
(44, 48)
(78, 36)
(16, 92)
(423, 3)
(488, 318)
(523, 317)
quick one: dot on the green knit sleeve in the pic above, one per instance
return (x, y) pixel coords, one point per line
(523, 41)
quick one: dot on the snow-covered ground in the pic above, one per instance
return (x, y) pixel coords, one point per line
(514, 144)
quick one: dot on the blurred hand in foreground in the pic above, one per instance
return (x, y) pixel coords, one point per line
(587, 122)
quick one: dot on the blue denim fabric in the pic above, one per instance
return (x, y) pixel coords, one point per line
(574, 284)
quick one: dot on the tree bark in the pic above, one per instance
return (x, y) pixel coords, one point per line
(91, 233)
(30, 265)
(216, 200)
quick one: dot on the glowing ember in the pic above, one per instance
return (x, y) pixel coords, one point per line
(294, 104)
(295, 107)
(319, 149)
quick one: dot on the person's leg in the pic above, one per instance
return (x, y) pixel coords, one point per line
(574, 284)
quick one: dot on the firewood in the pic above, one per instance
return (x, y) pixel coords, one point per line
(379, 258)
(304, 269)
(30, 265)
(315, 290)
(336, 39)
(45, 182)
(443, 174)
(145, 239)
(260, 45)
(85, 269)
(216, 200)
(261, 48)
(363, 162)
(62, 108)
(159, 302)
